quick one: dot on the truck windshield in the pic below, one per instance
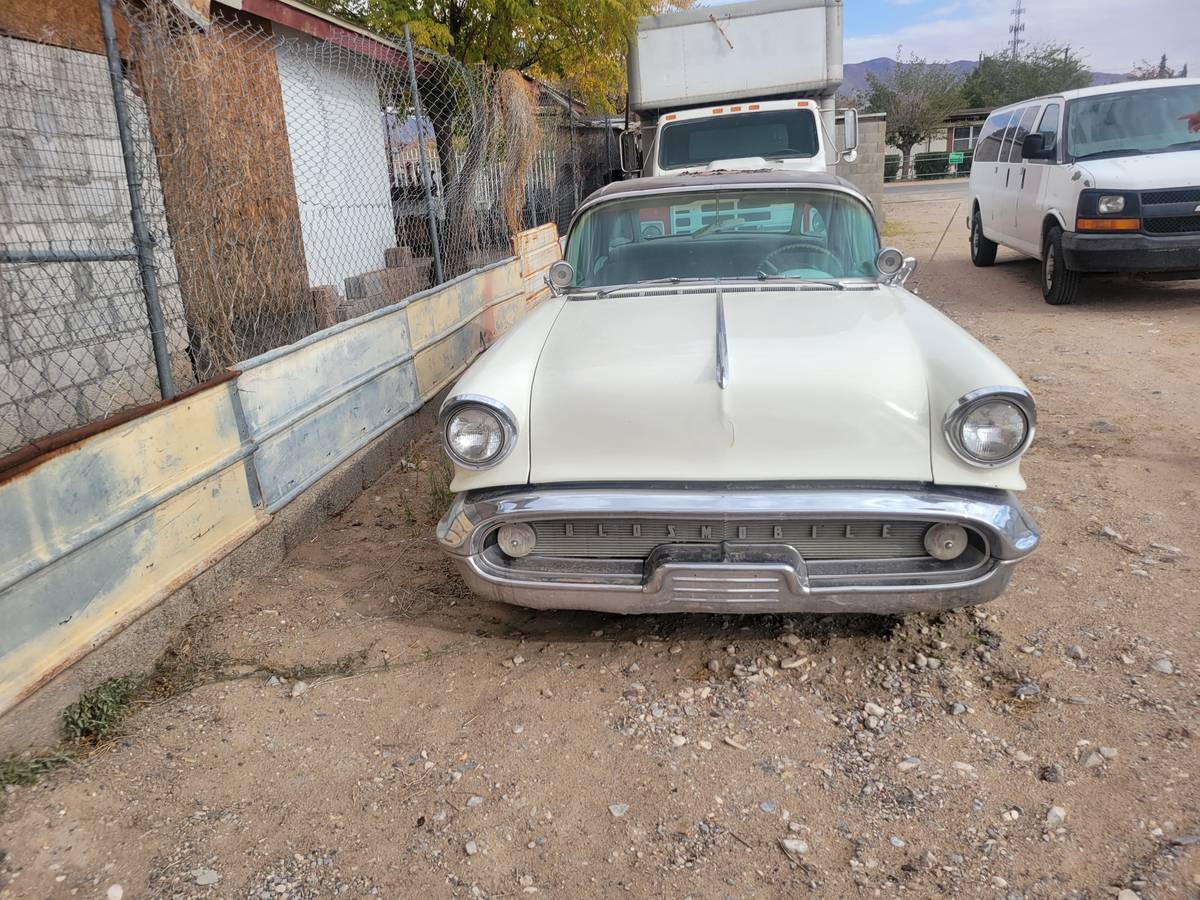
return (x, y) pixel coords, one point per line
(772, 134)
(1153, 120)
(757, 233)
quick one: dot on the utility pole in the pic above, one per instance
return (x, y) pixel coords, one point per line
(1016, 29)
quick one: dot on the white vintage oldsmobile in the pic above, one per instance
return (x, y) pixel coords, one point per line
(732, 404)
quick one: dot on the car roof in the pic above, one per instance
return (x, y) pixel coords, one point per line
(1099, 90)
(775, 178)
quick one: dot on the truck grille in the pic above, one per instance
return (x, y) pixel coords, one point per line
(1172, 195)
(634, 539)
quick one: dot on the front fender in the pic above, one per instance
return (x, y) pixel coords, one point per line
(505, 373)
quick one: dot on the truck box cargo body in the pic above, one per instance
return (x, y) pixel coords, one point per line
(748, 84)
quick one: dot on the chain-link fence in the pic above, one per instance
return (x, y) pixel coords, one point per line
(287, 183)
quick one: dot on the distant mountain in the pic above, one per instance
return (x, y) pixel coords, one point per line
(854, 75)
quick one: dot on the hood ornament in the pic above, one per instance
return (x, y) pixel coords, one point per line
(722, 343)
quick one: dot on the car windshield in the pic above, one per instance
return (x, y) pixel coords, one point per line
(771, 134)
(1148, 121)
(758, 233)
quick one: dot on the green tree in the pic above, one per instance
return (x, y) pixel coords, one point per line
(917, 97)
(1000, 78)
(1144, 71)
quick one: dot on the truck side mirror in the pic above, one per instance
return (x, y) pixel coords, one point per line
(631, 152)
(1034, 147)
(850, 151)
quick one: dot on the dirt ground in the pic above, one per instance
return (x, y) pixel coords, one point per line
(476, 749)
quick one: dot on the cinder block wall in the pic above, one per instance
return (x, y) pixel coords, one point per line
(75, 343)
(866, 172)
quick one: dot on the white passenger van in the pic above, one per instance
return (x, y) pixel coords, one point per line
(1103, 179)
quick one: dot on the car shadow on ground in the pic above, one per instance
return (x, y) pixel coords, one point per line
(1132, 294)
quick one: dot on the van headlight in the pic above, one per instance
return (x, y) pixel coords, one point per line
(477, 432)
(1111, 203)
(991, 426)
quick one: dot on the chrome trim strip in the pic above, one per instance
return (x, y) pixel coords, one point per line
(722, 343)
(508, 426)
(1011, 535)
(952, 422)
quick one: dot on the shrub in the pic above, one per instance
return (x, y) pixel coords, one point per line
(891, 166)
(931, 165)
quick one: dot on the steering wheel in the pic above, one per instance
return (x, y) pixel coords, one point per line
(798, 245)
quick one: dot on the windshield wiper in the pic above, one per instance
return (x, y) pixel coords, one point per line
(603, 292)
(1186, 145)
(836, 285)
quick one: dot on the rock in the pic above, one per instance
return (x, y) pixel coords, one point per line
(999, 882)
(1109, 752)
(1110, 533)
(1027, 691)
(632, 669)
(274, 681)
(475, 801)
(713, 665)
(792, 662)
(734, 744)
(908, 764)
(300, 687)
(518, 660)
(1127, 894)
(1022, 757)
(1163, 665)
(1075, 651)
(472, 848)
(896, 841)
(115, 892)
(1055, 816)
(1093, 760)
(789, 640)
(958, 709)
(518, 729)
(934, 662)
(794, 846)
(205, 877)
(965, 768)
(1053, 773)
(874, 709)
(705, 745)
(678, 740)
(618, 809)
(768, 806)
(921, 661)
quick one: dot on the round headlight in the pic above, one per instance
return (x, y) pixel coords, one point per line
(994, 430)
(476, 435)
(992, 427)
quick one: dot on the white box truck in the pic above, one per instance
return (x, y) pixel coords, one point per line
(747, 85)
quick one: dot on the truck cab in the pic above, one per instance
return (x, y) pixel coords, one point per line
(775, 134)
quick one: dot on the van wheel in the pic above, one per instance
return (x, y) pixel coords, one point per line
(1059, 284)
(983, 251)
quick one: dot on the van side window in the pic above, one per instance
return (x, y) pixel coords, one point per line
(1007, 141)
(988, 148)
(1048, 127)
(1023, 128)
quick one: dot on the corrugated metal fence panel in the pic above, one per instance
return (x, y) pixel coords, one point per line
(451, 324)
(100, 531)
(537, 248)
(311, 405)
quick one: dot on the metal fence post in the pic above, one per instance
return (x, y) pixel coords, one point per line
(141, 233)
(426, 174)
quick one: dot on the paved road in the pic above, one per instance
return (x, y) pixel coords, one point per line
(925, 191)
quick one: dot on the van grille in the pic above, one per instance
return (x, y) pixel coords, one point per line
(1172, 224)
(1174, 195)
(634, 539)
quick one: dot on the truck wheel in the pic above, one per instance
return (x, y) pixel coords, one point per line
(1059, 284)
(983, 251)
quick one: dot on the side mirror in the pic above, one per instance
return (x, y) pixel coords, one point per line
(559, 276)
(631, 152)
(850, 151)
(1034, 147)
(894, 267)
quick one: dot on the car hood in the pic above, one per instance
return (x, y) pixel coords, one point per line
(1153, 170)
(822, 384)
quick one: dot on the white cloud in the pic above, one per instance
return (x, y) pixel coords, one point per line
(1114, 35)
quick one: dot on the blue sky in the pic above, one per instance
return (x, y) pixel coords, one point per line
(1113, 34)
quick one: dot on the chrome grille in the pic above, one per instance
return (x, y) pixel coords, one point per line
(634, 539)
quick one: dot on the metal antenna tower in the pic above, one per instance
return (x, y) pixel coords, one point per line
(1017, 28)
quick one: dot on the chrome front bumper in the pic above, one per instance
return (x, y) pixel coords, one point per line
(736, 576)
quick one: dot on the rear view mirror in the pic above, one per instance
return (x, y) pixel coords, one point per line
(850, 151)
(631, 152)
(1034, 147)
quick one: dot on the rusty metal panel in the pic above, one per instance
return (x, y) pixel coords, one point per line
(101, 530)
(538, 261)
(533, 238)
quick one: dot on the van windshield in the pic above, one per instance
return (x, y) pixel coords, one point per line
(1132, 122)
(771, 134)
(706, 234)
